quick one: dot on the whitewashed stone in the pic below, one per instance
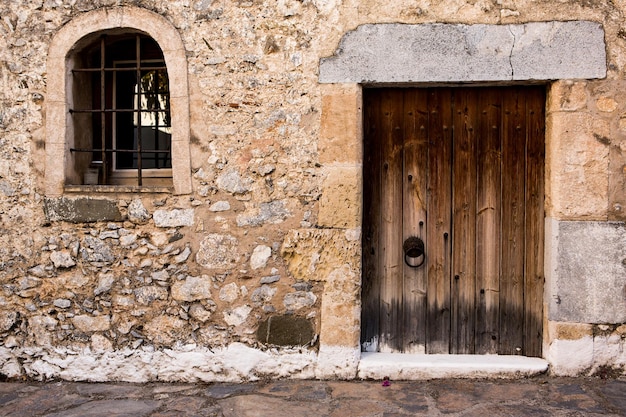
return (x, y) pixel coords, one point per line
(137, 213)
(299, 299)
(237, 316)
(220, 206)
(86, 323)
(62, 259)
(142, 365)
(192, 289)
(173, 218)
(229, 292)
(218, 251)
(259, 257)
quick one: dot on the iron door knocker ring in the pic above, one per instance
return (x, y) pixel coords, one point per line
(414, 248)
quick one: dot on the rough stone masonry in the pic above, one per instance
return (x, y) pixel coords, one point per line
(254, 270)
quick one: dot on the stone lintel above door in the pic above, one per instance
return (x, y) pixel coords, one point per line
(456, 53)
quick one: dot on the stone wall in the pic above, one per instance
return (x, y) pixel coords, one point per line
(256, 272)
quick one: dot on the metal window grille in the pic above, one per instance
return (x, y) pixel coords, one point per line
(139, 67)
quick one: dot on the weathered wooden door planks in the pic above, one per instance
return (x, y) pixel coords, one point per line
(461, 168)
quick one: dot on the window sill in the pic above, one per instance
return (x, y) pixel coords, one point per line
(117, 189)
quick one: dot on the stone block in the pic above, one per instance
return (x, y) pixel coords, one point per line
(341, 134)
(313, 254)
(569, 331)
(396, 53)
(81, 210)
(570, 357)
(340, 203)
(577, 152)
(341, 309)
(567, 95)
(588, 268)
(286, 330)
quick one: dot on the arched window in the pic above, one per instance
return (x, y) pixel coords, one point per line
(114, 116)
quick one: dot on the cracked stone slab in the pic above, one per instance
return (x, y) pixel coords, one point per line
(399, 53)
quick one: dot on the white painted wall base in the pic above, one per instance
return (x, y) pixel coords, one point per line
(337, 362)
(236, 363)
(240, 363)
(587, 355)
(400, 366)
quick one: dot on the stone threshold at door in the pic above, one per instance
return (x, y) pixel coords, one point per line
(400, 366)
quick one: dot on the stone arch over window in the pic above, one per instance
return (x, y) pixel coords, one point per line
(62, 130)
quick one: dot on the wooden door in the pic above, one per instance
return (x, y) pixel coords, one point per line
(462, 169)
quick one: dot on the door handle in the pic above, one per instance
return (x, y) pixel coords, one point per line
(413, 248)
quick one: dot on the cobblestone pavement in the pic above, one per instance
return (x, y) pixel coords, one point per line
(543, 396)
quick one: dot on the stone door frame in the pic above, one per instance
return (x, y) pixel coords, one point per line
(426, 55)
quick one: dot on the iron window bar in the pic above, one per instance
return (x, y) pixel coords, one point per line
(118, 110)
(105, 150)
(103, 110)
(115, 69)
(118, 150)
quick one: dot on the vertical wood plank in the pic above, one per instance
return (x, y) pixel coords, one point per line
(513, 204)
(439, 220)
(371, 278)
(464, 222)
(488, 221)
(534, 275)
(391, 221)
(414, 216)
